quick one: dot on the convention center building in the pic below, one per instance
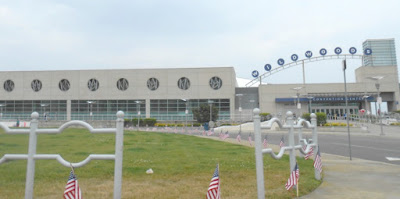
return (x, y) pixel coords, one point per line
(171, 94)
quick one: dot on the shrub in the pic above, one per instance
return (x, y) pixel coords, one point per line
(135, 122)
(306, 116)
(321, 118)
(160, 125)
(196, 124)
(265, 116)
(149, 121)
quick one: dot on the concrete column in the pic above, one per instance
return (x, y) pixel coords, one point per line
(68, 110)
(147, 108)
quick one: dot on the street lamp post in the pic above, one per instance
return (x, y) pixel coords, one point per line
(309, 103)
(379, 99)
(210, 102)
(44, 110)
(90, 108)
(365, 97)
(297, 89)
(186, 113)
(240, 111)
(138, 122)
(344, 65)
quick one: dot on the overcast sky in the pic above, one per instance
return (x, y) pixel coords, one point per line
(97, 34)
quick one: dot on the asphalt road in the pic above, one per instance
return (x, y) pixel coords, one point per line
(375, 148)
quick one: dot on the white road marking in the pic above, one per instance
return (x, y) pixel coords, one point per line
(367, 147)
(393, 159)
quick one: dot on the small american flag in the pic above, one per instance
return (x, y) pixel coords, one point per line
(282, 143)
(309, 154)
(238, 137)
(293, 178)
(226, 135)
(265, 142)
(318, 162)
(72, 190)
(214, 189)
(210, 132)
(250, 139)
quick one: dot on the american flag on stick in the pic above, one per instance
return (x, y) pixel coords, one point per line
(282, 143)
(318, 162)
(250, 139)
(210, 132)
(226, 135)
(310, 153)
(238, 137)
(72, 189)
(293, 178)
(265, 142)
(214, 187)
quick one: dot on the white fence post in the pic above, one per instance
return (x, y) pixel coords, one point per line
(119, 148)
(317, 174)
(292, 155)
(258, 153)
(30, 168)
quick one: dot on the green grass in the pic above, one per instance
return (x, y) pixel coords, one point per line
(183, 166)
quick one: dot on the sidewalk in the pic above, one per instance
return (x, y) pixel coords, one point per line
(357, 179)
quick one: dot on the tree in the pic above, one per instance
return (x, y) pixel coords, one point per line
(202, 114)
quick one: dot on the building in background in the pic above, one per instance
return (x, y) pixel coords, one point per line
(383, 52)
(166, 94)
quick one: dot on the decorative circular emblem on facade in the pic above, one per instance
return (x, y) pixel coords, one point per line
(183, 83)
(64, 85)
(36, 85)
(93, 84)
(215, 83)
(9, 85)
(153, 83)
(122, 84)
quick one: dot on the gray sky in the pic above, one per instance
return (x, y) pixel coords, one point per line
(97, 34)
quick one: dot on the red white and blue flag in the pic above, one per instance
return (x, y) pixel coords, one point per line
(226, 135)
(318, 162)
(72, 190)
(282, 143)
(293, 178)
(214, 187)
(309, 154)
(265, 142)
(238, 137)
(250, 139)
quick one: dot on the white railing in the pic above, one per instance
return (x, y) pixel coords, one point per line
(32, 156)
(290, 125)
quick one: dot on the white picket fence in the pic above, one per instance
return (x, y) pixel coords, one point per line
(291, 126)
(32, 156)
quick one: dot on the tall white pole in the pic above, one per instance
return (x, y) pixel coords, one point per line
(30, 168)
(119, 148)
(258, 153)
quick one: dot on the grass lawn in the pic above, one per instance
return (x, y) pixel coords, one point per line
(183, 166)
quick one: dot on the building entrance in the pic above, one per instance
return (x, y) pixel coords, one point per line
(335, 112)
